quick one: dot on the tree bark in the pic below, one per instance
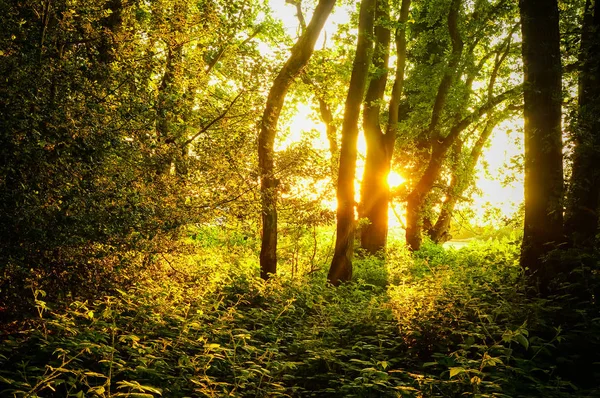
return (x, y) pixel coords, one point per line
(301, 53)
(341, 264)
(581, 222)
(165, 108)
(327, 118)
(430, 137)
(375, 192)
(112, 25)
(543, 228)
(462, 177)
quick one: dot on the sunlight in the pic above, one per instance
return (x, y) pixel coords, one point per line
(301, 122)
(394, 179)
(500, 186)
(287, 13)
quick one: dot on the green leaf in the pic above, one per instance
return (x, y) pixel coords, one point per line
(519, 338)
(456, 371)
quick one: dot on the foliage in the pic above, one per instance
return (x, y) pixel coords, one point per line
(118, 119)
(452, 323)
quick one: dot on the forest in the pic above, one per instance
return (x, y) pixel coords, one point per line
(299, 198)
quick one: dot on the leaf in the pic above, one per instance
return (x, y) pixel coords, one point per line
(475, 380)
(519, 338)
(456, 371)
(138, 387)
(97, 390)
(360, 361)
(94, 374)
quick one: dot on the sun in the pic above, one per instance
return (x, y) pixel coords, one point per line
(394, 179)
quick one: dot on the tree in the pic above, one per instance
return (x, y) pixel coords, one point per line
(319, 92)
(465, 160)
(300, 55)
(341, 264)
(543, 228)
(581, 221)
(455, 104)
(375, 192)
(463, 171)
(119, 85)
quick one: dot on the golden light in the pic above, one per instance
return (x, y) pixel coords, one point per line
(302, 122)
(394, 179)
(505, 144)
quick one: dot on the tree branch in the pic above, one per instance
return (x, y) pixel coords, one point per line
(211, 123)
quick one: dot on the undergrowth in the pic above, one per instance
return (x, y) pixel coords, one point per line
(442, 323)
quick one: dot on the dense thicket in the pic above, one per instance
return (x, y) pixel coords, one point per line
(102, 105)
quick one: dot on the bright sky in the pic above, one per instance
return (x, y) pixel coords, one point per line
(505, 142)
(287, 14)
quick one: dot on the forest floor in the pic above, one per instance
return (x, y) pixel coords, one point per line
(443, 323)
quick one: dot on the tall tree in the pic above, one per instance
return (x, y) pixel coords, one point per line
(325, 107)
(543, 228)
(455, 105)
(301, 53)
(416, 198)
(375, 192)
(465, 158)
(341, 264)
(581, 222)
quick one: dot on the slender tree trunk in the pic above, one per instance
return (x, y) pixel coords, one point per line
(415, 203)
(341, 264)
(581, 222)
(462, 177)
(439, 232)
(112, 23)
(375, 192)
(165, 109)
(543, 228)
(327, 118)
(301, 53)
(324, 108)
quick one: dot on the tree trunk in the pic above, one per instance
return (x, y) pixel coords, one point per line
(165, 109)
(324, 108)
(301, 53)
(543, 228)
(375, 192)
(341, 264)
(581, 222)
(439, 232)
(112, 24)
(416, 199)
(462, 177)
